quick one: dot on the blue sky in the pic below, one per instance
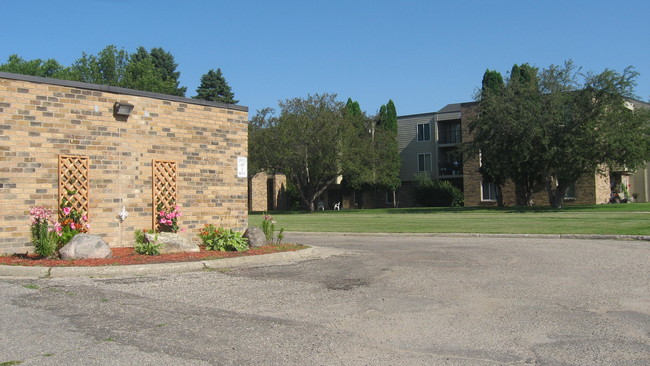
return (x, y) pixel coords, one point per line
(421, 54)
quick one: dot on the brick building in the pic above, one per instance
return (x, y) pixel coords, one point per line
(427, 143)
(267, 192)
(61, 136)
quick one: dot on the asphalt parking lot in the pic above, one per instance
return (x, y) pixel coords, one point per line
(386, 300)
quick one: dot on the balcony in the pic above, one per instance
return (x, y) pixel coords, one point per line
(449, 133)
(450, 169)
(449, 138)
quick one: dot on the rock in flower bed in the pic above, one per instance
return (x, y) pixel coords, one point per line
(127, 256)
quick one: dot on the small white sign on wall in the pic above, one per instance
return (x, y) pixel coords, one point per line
(242, 167)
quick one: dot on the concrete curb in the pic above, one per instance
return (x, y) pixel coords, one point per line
(274, 258)
(476, 235)
(165, 268)
(24, 271)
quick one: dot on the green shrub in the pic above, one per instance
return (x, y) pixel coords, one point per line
(143, 246)
(268, 227)
(223, 240)
(436, 193)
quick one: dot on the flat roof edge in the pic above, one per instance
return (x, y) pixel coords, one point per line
(418, 115)
(118, 90)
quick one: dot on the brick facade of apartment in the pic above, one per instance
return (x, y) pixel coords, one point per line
(591, 189)
(44, 119)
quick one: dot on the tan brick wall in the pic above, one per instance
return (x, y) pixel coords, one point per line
(40, 120)
(258, 192)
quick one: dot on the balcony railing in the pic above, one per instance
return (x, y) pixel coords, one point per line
(450, 169)
(449, 138)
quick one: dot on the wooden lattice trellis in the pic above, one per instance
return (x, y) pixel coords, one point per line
(164, 187)
(74, 182)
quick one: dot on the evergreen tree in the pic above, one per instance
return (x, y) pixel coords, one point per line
(353, 108)
(215, 88)
(376, 162)
(492, 84)
(382, 116)
(153, 71)
(164, 62)
(389, 121)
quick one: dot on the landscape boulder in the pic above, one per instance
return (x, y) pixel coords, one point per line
(172, 243)
(255, 236)
(86, 246)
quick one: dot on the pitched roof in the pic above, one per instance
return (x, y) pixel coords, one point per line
(450, 108)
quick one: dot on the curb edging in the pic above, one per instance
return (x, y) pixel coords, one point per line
(281, 258)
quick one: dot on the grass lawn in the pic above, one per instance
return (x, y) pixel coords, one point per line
(616, 219)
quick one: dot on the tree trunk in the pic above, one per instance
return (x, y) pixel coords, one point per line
(308, 204)
(524, 195)
(556, 200)
(556, 192)
(499, 191)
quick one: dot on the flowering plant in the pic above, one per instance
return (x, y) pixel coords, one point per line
(268, 227)
(45, 231)
(168, 220)
(72, 223)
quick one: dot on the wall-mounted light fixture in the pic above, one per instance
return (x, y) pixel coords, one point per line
(122, 109)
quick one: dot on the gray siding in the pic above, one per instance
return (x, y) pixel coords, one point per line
(409, 147)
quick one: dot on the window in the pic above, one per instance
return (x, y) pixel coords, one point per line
(570, 193)
(424, 162)
(488, 191)
(449, 133)
(389, 198)
(424, 132)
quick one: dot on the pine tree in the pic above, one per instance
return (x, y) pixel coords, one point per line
(390, 118)
(215, 88)
(164, 62)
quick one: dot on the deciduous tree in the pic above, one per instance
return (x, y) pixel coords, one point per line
(556, 126)
(49, 68)
(153, 71)
(308, 141)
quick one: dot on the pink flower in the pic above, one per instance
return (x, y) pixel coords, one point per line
(57, 228)
(84, 217)
(72, 226)
(66, 211)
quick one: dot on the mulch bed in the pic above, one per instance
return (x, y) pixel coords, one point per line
(126, 256)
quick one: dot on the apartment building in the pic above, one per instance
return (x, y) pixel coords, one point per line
(428, 143)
